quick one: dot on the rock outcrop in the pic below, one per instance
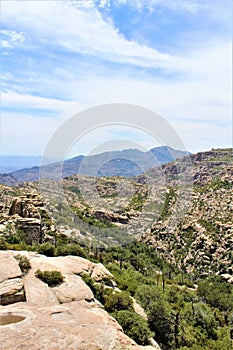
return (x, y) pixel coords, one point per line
(66, 317)
(26, 214)
(202, 240)
(11, 284)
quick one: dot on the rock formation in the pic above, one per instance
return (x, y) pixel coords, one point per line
(66, 317)
(26, 214)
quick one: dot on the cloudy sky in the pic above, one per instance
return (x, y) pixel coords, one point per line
(61, 57)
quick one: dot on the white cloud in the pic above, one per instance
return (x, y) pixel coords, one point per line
(83, 30)
(104, 3)
(6, 44)
(184, 5)
(13, 35)
(14, 100)
(10, 37)
(80, 30)
(198, 106)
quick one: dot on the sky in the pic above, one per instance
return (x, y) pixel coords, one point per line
(59, 58)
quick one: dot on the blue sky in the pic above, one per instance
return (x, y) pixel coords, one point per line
(61, 57)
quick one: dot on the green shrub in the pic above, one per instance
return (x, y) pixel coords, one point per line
(20, 246)
(3, 245)
(52, 278)
(98, 289)
(24, 262)
(70, 249)
(134, 326)
(221, 298)
(46, 249)
(14, 239)
(118, 301)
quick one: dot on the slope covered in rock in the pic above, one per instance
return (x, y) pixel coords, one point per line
(182, 215)
(202, 239)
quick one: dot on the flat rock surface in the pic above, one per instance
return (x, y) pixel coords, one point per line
(77, 325)
(65, 317)
(73, 289)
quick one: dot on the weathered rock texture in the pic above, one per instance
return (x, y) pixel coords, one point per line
(66, 317)
(25, 214)
(201, 240)
(11, 284)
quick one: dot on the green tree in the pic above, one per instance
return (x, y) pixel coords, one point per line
(216, 293)
(118, 301)
(147, 295)
(134, 326)
(3, 245)
(161, 322)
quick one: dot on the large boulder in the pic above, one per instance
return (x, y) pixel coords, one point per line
(11, 284)
(73, 289)
(11, 291)
(9, 266)
(99, 272)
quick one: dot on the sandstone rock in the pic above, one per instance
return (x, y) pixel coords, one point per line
(72, 326)
(9, 266)
(227, 277)
(38, 292)
(73, 289)
(11, 291)
(41, 323)
(11, 284)
(139, 310)
(149, 347)
(28, 214)
(16, 207)
(67, 264)
(111, 217)
(100, 271)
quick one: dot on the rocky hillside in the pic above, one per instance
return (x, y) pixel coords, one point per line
(183, 209)
(182, 214)
(202, 240)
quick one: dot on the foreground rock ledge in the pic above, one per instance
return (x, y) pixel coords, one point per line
(61, 318)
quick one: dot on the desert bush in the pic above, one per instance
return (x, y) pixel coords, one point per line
(24, 262)
(118, 301)
(3, 245)
(52, 278)
(70, 249)
(46, 249)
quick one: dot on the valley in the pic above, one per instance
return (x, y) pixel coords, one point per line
(163, 238)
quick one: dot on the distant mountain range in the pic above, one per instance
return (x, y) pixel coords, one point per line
(9, 164)
(127, 163)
